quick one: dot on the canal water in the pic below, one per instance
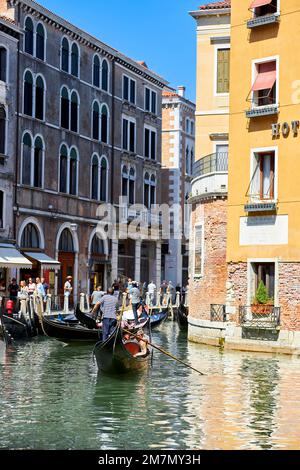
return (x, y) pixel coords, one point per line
(53, 398)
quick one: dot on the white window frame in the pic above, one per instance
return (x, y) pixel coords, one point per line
(151, 129)
(108, 75)
(45, 45)
(129, 119)
(79, 60)
(95, 154)
(92, 121)
(275, 13)
(254, 64)
(215, 81)
(33, 139)
(104, 157)
(135, 89)
(151, 91)
(108, 123)
(253, 165)
(251, 261)
(198, 276)
(78, 111)
(44, 96)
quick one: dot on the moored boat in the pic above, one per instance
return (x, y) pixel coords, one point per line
(115, 356)
(158, 318)
(182, 317)
(68, 333)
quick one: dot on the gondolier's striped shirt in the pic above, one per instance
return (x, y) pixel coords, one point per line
(108, 305)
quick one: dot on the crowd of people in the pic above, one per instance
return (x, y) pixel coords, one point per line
(27, 288)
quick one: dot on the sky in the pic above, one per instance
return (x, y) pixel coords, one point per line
(160, 32)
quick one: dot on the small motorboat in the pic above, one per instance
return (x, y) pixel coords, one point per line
(116, 356)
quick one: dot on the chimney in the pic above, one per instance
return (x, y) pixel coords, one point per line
(181, 91)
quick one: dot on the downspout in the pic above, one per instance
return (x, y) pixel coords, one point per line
(112, 134)
(15, 202)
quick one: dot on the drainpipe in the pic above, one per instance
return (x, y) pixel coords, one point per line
(112, 134)
(15, 201)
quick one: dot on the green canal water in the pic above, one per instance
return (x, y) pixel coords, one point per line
(53, 398)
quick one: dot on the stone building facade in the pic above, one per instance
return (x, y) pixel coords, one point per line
(88, 123)
(178, 156)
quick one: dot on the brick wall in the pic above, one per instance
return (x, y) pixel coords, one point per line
(237, 286)
(211, 288)
(289, 295)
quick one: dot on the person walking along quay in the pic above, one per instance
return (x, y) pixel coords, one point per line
(108, 305)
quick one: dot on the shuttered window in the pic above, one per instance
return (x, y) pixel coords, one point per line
(223, 70)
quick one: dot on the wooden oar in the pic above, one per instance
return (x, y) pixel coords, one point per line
(164, 352)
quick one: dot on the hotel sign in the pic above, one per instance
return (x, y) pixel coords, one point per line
(285, 129)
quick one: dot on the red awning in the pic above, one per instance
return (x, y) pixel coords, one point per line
(259, 3)
(266, 77)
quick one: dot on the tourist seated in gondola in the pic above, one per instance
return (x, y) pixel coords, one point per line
(143, 341)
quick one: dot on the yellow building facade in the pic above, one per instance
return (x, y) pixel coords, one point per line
(255, 304)
(263, 242)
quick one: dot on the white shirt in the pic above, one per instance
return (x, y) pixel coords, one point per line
(151, 288)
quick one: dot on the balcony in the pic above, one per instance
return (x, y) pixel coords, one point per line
(263, 20)
(261, 111)
(211, 175)
(262, 206)
(261, 317)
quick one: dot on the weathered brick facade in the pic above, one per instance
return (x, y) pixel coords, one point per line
(211, 288)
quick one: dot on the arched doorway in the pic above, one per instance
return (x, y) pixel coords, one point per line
(97, 263)
(66, 257)
(30, 240)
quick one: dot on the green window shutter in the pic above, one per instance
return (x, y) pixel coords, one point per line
(223, 71)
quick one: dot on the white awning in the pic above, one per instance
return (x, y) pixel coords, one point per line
(10, 257)
(44, 260)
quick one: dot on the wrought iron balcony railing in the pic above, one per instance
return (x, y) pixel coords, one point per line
(214, 163)
(260, 316)
(218, 313)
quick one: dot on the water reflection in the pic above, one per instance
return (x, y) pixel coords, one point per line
(52, 397)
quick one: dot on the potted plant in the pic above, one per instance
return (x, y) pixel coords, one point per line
(262, 304)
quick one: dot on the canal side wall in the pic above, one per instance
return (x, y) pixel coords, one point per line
(230, 336)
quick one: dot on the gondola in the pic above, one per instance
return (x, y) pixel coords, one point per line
(182, 317)
(85, 319)
(116, 357)
(158, 318)
(18, 328)
(68, 333)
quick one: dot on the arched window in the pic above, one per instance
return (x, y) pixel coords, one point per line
(39, 98)
(74, 112)
(104, 124)
(104, 77)
(66, 242)
(64, 108)
(30, 237)
(96, 72)
(152, 190)
(97, 247)
(29, 36)
(26, 160)
(40, 42)
(124, 181)
(1, 209)
(146, 190)
(63, 169)
(28, 93)
(131, 186)
(95, 178)
(75, 60)
(2, 130)
(73, 173)
(103, 180)
(65, 50)
(96, 118)
(38, 163)
(187, 159)
(3, 64)
(192, 162)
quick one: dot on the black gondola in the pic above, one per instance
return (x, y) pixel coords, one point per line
(18, 328)
(182, 317)
(85, 319)
(116, 357)
(158, 318)
(68, 333)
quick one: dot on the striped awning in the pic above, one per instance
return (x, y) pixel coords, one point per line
(10, 257)
(44, 260)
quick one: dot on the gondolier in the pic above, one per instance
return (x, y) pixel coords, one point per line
(108, 305)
